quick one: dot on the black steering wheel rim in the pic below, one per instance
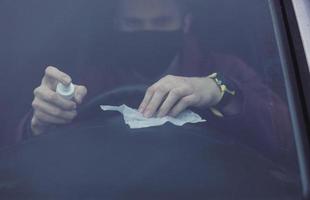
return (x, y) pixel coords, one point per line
(130, 95)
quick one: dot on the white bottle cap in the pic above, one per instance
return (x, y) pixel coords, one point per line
(65, 91)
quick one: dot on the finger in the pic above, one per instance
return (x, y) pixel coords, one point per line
(48, 119)
(155, 102)
(37, 126)
(147, 98)
(173, 97)
(54, 75)
(160, 86)
(52, 110)
(36, 123)
(80, 93)
(184, 103)
(46, 94)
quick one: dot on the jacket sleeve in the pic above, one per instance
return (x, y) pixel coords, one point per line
(263, 118)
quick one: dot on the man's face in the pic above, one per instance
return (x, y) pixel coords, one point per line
(149, 15)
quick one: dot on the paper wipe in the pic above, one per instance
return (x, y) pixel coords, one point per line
(136, 120)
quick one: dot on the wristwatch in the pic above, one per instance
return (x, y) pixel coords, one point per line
(228, 91)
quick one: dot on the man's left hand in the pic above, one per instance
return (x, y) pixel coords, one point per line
(173, 94)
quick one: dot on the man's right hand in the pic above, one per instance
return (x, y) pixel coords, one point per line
(49, 107)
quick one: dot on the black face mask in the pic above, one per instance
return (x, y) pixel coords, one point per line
(148, 53)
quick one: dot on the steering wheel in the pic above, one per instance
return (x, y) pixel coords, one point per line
(129, 95)
(106, 159)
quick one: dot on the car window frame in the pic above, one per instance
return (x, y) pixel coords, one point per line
(297, 79)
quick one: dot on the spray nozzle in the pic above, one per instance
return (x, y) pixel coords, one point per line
(65, 91)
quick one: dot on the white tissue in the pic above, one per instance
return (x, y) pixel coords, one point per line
(136, 120)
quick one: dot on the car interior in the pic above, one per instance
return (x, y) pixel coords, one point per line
(79, 161)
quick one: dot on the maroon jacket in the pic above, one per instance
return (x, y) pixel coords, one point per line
(263, 122)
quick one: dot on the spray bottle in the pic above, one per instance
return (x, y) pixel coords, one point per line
(66, 92)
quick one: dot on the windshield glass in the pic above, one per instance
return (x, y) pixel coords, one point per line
(143, 99)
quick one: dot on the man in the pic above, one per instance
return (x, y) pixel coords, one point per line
(133, 16)
(146, 46)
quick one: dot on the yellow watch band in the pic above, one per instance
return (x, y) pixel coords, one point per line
(223, 89)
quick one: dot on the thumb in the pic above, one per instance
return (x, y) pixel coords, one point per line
(53, 76)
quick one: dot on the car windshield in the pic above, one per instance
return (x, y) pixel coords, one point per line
(144, 99)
